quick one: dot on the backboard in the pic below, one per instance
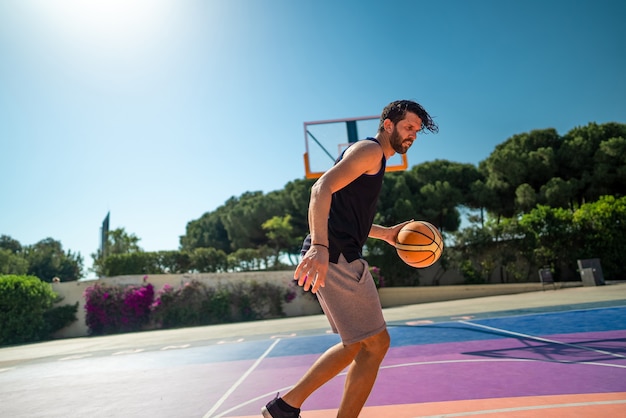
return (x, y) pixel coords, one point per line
(325, 140)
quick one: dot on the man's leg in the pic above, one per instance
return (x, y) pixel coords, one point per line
(362, 374)
(329, 365)
(364, 358)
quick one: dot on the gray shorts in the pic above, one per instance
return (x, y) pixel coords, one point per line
(351, 302)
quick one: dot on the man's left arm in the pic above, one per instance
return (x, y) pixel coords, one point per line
(387, 234)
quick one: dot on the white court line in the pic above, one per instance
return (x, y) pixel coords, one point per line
(430, 363)
(526, 408)
(545, 340)
(241, 379)
(121, 353)
(507, 360)
(175, 347)
(75, 357)
(293, 334)
(231, 341)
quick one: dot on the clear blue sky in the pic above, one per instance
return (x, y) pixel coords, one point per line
(160, 110)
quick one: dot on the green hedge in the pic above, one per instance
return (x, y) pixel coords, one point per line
(26, 310)
(159, 262)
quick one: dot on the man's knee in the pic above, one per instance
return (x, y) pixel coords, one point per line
(377, 344)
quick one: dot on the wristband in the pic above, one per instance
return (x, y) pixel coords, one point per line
(321, 245)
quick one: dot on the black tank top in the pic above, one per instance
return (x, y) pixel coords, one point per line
(352, 212)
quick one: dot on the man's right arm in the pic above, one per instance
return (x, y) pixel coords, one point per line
(360, 158)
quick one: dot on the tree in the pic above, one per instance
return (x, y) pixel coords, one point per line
(444, 187)
(527, 158)
(47, 260)
(479, 197)
(245, 217)
(294, 200)
(119, 242)
(396, 202)
(280, 236)
(441, 200)
(609, 175)
(11, 263)
(559, 193)
(207, 232)
(12, 259)
(431, 191)
(10, 244)
(601, 233)
(583, 156)
(525, 197)
(458, 175)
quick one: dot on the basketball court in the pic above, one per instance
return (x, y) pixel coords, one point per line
(549, 364)
(556, 353)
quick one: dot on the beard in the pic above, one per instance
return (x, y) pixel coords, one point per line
(399, 145)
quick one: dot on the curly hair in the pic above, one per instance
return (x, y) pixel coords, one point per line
(396, 111)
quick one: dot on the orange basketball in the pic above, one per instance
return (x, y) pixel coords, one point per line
(419, 244)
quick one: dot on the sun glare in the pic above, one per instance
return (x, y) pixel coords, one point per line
(114, 22)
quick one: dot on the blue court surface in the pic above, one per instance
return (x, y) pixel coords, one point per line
(563, 361)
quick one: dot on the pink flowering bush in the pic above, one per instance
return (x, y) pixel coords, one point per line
(136, 306)
(291, 292)
(191, 304)
(112, 309)
(253, 300)
(194, 303)
(294, 291)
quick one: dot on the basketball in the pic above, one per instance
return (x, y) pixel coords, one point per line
(419, 244)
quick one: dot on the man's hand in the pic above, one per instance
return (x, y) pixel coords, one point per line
(387, 234)
(312, 269)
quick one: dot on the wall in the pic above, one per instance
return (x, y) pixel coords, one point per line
(73, 292)
(399, 296)
(303, 304)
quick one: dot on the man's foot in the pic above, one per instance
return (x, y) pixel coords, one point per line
(277, 408)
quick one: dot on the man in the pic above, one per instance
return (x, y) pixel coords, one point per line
(341, 214)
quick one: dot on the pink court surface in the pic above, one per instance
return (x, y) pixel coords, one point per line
(557, 353)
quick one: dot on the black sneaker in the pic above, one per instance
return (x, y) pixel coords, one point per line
(273, 410)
